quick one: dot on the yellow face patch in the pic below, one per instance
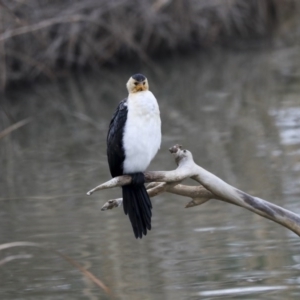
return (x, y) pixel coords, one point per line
(139, 88)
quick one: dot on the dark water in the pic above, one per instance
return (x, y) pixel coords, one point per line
(240, 116)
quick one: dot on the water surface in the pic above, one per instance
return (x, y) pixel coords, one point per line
(240, 116)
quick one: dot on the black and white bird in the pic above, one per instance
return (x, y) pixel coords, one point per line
(133, 139)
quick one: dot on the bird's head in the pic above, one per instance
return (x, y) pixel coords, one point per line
(137, 83)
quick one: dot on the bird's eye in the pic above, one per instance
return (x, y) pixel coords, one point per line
(144, 83)
(136, 83)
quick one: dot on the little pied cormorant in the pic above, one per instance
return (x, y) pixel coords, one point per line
(133, 139)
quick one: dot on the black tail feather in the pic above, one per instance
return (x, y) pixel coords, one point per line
(144, 214)
(145, 208)
(137, 205)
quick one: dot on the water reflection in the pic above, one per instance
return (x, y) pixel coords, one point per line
(238, 113)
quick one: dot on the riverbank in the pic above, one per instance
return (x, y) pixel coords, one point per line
(49, 38)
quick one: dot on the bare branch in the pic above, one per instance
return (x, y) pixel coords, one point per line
(211, 187)
(110, 204)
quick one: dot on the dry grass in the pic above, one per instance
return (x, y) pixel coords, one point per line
(49, 36)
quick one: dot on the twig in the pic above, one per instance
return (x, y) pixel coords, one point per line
(33, 62)
(211, 187)
(13, 127)
(41, 25)
(3, 71)
(14, 257)
(70, 260)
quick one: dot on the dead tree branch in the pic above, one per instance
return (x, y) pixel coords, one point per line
(210, 187)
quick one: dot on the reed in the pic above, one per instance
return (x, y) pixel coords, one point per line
(48, 37)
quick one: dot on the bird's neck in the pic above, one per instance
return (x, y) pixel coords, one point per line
(142, 103)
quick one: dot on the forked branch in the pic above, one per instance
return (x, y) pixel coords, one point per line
(210, 187)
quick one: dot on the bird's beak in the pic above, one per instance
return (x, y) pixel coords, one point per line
(140, 87)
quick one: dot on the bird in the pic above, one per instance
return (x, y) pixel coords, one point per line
(133, 139)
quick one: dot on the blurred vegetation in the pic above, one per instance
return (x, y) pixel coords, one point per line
(49, 37)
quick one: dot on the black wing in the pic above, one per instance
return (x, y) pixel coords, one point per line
(115, 150)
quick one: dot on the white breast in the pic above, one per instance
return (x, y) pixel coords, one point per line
(142, 133)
